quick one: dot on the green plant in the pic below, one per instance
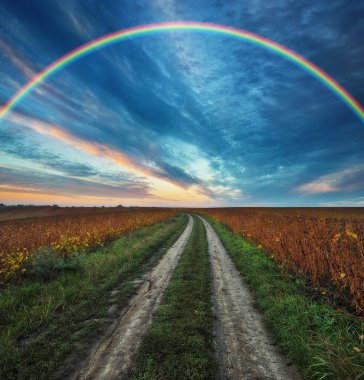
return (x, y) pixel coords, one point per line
(46, 264)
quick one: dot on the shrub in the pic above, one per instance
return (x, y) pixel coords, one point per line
(46, 264)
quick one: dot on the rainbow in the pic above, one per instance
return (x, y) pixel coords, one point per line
(227, 31)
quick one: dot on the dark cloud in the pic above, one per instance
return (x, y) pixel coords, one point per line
(178, 174)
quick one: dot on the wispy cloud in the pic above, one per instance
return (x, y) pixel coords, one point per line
(349, 179)
(189, 116)
(17, 60)
(316, 187)
(16, 180)
(93, 148)
(153, 179)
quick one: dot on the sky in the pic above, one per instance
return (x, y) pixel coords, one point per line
(182, 118)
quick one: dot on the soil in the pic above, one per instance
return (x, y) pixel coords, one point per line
(243, 345)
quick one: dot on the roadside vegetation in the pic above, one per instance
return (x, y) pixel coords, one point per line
(62, 300)
(179, 343)
(323, 342)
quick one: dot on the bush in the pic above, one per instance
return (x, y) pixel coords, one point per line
(46, 264)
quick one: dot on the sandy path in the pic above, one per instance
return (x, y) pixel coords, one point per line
(244, 348)
(113, 357)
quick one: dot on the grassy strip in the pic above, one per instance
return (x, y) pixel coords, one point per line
(41, 320)
(179, 343)
(323, 342)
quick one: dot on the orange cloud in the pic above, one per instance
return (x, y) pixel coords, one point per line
(22, 196)
(162, 190)
(95, 149)
(174, 194)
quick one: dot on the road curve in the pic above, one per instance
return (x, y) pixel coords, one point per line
(113, 357)
(243, 346)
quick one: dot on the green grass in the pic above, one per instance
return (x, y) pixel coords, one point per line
(179, 343)
(319, 339)
(41, 320)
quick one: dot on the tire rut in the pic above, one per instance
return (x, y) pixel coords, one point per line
(243, 345)
(112, 358)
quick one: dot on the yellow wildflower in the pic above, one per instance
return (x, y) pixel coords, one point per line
(352, 234)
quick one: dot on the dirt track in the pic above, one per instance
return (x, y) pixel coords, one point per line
(243, 346)
(112, 358)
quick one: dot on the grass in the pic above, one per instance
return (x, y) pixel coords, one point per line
(41, 320)
(179, 343)
(323, 342)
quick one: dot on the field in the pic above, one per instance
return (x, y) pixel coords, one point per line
(66, 231)
(324, 246)
(189, 294)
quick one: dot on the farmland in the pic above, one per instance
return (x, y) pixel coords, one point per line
(323, 245)
(188, 295)
(66, 231)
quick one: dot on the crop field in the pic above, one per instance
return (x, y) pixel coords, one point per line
(66, 231)
(324, 245)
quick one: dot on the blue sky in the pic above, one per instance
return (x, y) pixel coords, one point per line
(182, 118)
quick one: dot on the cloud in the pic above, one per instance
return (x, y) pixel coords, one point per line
(24, 148)
(17, 180)
(159, 169)
(316, 187)
(16, 59)
(350, 179)
(355, 202)
(102, 150)
(246, 125)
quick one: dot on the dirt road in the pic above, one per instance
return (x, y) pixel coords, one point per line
(243, 346)
(113, 357)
